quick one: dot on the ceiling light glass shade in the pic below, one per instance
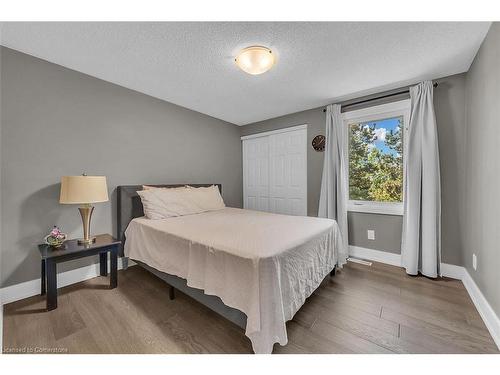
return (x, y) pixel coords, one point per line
(255, 60)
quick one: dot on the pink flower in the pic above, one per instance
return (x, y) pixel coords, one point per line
(55, 232)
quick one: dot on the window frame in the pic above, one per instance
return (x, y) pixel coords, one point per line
(400, 108)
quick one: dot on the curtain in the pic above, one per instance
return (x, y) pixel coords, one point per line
(421, 241)
(332, 201)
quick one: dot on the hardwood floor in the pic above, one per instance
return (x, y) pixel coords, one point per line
(377, 309)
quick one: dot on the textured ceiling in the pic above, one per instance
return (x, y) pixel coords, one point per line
(192, 64)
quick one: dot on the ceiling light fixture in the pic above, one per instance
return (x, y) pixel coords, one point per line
(255, 60)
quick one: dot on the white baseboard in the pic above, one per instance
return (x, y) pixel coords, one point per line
(448, 270)
(375, 255)
(452, 271)
(32, 288)
(490, 318)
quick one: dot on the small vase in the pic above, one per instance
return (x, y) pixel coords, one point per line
(55, 242)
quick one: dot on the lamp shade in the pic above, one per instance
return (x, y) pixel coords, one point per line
(83, 189)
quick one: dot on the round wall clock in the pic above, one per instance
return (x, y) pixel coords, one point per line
(318, 143)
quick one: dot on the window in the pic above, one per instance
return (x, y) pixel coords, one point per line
(375, 153)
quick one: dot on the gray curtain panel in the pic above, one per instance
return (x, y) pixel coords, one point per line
(332, 201)
(421, 243)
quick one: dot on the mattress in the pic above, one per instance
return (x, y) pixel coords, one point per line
(262, 264)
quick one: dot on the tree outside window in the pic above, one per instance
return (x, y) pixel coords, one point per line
(376, 160)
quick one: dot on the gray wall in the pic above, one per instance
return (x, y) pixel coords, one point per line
(449, 105)
(1, 302)
(450, 113)
(57, 122)
(387, 231)
(482, 205)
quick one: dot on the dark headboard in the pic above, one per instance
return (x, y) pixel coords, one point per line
(129, 204)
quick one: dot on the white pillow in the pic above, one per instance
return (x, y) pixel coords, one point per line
(164, 203)
(207, 198)
(149, 187)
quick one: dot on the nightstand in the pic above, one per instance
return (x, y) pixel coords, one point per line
(50, 255)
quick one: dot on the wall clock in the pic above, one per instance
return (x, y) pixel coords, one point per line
(318, 143)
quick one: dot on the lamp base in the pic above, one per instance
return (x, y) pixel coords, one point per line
(83, 241)
(86, 214)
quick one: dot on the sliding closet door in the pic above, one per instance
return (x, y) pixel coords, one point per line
(256, 173)
(288, 172)
(275, 171)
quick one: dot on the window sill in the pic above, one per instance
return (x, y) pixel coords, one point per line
(376, 208)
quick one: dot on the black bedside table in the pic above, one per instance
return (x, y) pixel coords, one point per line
(103, 244)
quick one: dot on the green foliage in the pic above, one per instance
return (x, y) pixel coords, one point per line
(375, 175)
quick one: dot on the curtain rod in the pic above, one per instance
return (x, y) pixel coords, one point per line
(380, 97)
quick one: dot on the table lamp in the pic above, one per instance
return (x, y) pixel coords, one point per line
(84, 190)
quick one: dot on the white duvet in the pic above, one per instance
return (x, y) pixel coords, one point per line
(263, 264)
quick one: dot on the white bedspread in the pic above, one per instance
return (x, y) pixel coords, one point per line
(263, 264)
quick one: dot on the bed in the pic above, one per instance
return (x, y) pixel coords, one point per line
(254, 268)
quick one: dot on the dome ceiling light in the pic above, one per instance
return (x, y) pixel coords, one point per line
(255, 60)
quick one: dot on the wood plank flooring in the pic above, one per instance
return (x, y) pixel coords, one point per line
(377, 309)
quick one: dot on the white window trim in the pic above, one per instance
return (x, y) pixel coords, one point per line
(384, 208)
(395, 109)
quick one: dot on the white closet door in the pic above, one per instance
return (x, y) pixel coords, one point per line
(256, 173)
(288, 172)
